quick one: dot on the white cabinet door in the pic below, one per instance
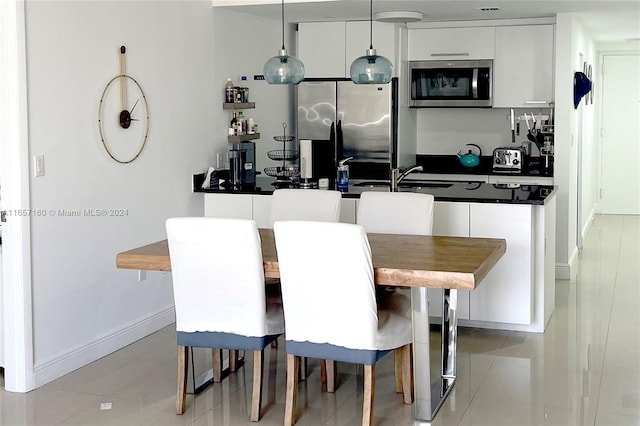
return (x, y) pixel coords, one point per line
(523, 67)
(348, 210)
(452, 220)
(262, 210)
(357, 42)
(452, 43)
(239, 206)
(321, 48)
(506, 293)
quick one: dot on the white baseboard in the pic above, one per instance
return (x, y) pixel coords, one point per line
(83, 354)
(566, 271)
(588, 224)
(563, 271)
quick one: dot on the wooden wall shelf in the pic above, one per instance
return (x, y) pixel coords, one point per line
(238, 105)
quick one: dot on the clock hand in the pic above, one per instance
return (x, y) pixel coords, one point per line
(134, 106)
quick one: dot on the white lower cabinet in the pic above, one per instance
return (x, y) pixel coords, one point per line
(262, 210)
(348, 210)
(238, 206)
(506, 293)
(258, 208)
(517, 294)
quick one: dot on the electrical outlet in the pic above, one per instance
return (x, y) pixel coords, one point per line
(38, 165)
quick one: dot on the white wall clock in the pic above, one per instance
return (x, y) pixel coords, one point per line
(123, 121)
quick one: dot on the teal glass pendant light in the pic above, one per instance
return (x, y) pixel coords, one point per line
(283, 69)
(371, 68)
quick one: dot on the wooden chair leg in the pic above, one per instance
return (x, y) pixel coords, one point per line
(216, 364)
(183, 368)
(233, 360)
(323, 371)
(303, 368)
(398, 368)
(256, 398)
(369, 394)
(292, 390)
(331, 375)
(407, 373)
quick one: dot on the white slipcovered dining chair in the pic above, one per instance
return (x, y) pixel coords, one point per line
(397, 213)
(305, 204)
(219, 294)
(318, 260)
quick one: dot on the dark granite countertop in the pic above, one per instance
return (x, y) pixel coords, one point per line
(450, 164)
(442, 191)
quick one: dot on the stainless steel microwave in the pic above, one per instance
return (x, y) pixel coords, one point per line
(457, 83)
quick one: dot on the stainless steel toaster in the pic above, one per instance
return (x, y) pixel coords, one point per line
(508, 159)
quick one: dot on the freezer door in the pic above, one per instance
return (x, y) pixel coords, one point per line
(316, 109)
(365, 113)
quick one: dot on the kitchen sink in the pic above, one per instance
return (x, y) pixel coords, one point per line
(405, 184)
(424, 184)
(377, 183)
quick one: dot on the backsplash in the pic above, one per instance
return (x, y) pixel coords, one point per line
(447, 130)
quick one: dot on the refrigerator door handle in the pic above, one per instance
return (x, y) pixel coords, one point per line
(332, 140)
(332, 133)
(339, 142)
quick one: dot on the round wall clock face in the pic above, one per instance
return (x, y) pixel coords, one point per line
(123, 116)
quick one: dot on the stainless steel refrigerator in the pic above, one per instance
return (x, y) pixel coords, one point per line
(343, 120)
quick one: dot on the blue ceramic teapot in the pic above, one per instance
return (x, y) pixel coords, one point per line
(470, 159)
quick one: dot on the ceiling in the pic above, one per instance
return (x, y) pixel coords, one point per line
(605, 20)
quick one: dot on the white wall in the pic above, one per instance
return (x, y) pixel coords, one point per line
(181, 53)
(571, 41)
(445, 131)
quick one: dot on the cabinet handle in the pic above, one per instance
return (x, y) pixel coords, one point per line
(535, 102)
(451, 54)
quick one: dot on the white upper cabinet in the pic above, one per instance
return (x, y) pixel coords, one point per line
(327, 49)
(523, 66)
(451, 43)
(321, 48)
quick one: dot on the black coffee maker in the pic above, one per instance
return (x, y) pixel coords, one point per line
(242, 166)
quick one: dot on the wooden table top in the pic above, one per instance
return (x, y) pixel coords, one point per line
(403, 260)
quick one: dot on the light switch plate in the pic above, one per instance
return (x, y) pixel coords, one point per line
(38, 165)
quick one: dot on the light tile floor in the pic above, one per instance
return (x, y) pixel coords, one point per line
(584, 370)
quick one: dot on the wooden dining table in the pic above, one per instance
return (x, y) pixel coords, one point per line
(415, 261)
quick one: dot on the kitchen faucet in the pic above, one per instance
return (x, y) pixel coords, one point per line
(397, 177)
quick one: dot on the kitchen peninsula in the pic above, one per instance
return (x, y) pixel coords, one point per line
(519, 292)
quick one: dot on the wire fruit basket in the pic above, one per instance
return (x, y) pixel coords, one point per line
(286, 173)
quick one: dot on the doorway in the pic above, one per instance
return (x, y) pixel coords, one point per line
(16, 334)
(620, 134)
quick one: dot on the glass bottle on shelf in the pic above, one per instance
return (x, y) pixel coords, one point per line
(234, 124)
(228, 91)
(244, 84)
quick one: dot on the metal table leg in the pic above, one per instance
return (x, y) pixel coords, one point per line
(430, 396)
